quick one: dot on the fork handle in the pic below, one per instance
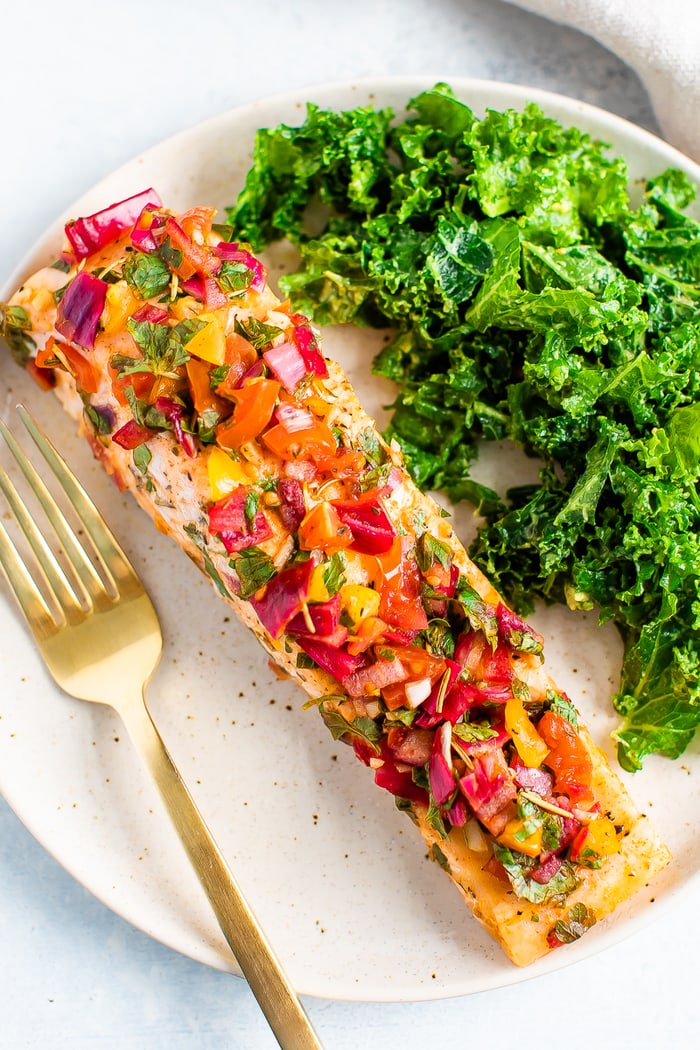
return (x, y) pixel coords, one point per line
(256, 958)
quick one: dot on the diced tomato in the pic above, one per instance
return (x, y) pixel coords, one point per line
(373, 532)
(594, 842)
(45, 377)
(255, 403)
(195, 257)
(370, 631)
(203, 397)
(85, 372)
(322, 529)
(401, 604)
(316, 442)
(131, 435)
(410, 745)
(568, 757)
(228, 518)
(87, 375)
(197, 220)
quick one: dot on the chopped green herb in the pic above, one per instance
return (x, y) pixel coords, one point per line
(373, 450)
(364, 728)
(579, 920)
(217, 375)
(163, 347)
(142, 457)
(561, 706)
(14, 328)
(146, 274)
(517, 865)
(256, 332)
(198, 539)
(234, 277)
(473, 731)
(250, 507)
(430, 550)
(334, 573)
(254, 568)
(439, 857)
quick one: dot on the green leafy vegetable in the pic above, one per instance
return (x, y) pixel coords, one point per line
(530, 300)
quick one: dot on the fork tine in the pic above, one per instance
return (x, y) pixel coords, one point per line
(112, 558)
(55, 581)
(89, 586)
(28, 595)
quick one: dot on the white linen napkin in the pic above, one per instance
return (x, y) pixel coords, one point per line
(660, 40)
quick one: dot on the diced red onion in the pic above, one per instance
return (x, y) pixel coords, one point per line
(543, 873)
(338, 662)
(284, 596)
(228, 520)
(324, 617)
(309, 350)
(207, 290)
(474, 837)
(131, 435)
(430, 715)
(375, 676)
(256, 369)
(417, 692)
(440, 775)
(293, 417)
(510, 623)
(538, 780)
(489, 789)
(292, 507)
(88, 234)
(175, 414)
(147, 237)
(458, 814)
(152, 314)
(80, 309)
(373, 532)
(287, 365)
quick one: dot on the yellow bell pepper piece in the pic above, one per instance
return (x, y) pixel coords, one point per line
(528, 742)
(318, 592)
(209, 343)
(359, 602)
(601, 838)
(120, 303)
(531, 845)
(225, 474)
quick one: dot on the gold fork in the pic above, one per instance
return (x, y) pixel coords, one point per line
(101, 641)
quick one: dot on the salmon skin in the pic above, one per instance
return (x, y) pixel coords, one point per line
(211, 401)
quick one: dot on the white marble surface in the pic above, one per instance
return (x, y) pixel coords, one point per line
(85, 86)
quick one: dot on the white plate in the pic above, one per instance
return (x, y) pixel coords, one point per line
(336, 874)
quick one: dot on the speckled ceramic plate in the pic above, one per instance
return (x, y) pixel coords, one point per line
(337, 875)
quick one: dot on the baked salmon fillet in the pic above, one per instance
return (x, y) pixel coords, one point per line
(210, 400)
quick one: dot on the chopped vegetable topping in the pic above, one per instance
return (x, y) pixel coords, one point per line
(296, 516)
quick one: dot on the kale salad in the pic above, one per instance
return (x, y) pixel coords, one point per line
(530, 300)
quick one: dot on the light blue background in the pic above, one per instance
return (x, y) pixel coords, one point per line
(85, 86)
